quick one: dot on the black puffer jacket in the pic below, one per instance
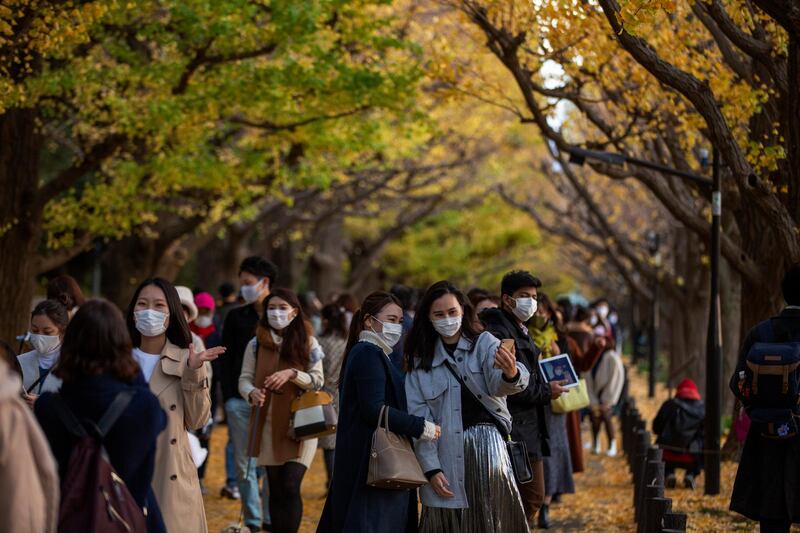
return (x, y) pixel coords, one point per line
(679, 424)
(527, 407)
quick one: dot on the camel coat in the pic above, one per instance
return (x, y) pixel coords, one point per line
(184, 395)
(28, 476)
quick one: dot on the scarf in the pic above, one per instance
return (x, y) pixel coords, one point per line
(544, 339)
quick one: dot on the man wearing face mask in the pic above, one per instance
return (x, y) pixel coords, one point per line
(519, 292)
(256, 275)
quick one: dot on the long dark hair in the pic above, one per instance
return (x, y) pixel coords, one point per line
(294, 348)
(97, 342)
(335, 321)
(371, 306)
(178, 329)
(421, 340)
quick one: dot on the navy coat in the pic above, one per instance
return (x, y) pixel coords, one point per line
(370, 381)
(131, 442)
(767, 485)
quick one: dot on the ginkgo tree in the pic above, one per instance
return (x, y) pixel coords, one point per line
(115, 114)
(668, 82)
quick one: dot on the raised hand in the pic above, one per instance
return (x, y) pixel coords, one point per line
(506, 361)
(196, 360)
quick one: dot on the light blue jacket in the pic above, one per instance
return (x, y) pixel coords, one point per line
(436, 395)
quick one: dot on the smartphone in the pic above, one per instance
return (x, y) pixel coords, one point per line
(508, 344)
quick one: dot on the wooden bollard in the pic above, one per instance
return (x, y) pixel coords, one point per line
(631, 414)
(636, 425)
(674, 522)
(653, 483)
(640, 461)
(655, 509)
(654, 473)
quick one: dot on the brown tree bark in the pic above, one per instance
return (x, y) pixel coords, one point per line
(326, 265)
(20, 218)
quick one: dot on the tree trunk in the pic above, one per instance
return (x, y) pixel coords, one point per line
(20, 218)
(731, 305)
(326, 274)
(792, 122)
(688, 322)
(126, 263)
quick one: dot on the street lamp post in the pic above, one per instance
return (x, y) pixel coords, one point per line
(714, 340)
(714, 344)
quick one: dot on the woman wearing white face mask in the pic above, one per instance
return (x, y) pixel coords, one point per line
(282, 361)
(177, 376)
(49, 320)
(370, 382)
(460, 378)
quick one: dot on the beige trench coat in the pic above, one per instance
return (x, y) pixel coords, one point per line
(28, 475)
(184, 396)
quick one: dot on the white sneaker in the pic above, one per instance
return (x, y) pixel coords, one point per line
(596, 450)
(587, 445)
(612, 450)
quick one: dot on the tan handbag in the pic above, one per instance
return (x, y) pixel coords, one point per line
(392, 461)
(313, 416)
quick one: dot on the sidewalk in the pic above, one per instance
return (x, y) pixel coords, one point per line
(602, 502)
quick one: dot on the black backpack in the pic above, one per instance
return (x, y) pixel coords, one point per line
(772, 381)
(94, 498)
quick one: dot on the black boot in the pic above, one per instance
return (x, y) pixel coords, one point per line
(543, 522)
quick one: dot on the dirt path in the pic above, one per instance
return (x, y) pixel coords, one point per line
(602, 502)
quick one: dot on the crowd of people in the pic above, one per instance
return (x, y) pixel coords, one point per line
(459, 377)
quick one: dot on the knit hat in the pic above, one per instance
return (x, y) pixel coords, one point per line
(203, 300)
(187, 300)
(687, 390)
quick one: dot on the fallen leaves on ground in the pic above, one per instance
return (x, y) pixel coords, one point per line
(603, 500)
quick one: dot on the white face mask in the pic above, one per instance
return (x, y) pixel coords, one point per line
(602, 311)
(391, 332)
(525, 309)
(593, 321)
(278, 318)
(45, 344)
(203, 321)
(250, 293)
(447, 327)
(150, 323)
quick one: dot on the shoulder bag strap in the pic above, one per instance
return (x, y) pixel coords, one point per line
(38, 380)
(498, 423)
(67, 417)
(117, 407)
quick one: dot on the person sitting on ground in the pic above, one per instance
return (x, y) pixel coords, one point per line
(679, 426)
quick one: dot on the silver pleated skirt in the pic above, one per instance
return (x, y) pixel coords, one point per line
(494, 501)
